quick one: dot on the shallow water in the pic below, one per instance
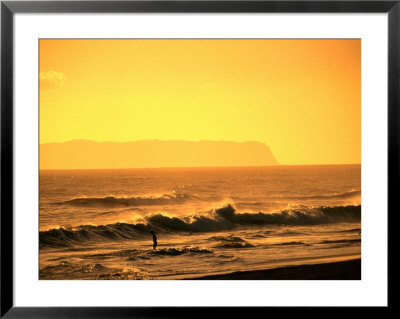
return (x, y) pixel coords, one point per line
(94, 224)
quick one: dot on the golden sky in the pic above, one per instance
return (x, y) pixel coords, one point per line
(302, 98)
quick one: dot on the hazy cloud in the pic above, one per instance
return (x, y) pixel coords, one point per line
(52, 80)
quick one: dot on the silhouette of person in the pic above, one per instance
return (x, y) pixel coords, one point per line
(154, 239)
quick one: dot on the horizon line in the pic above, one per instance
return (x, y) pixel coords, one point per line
(153, 139)
(183, 167)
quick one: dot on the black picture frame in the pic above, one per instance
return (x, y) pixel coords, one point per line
(9, 8)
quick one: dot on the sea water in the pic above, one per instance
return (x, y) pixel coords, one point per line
(95, 224)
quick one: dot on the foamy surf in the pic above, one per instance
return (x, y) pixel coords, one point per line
(220, 220)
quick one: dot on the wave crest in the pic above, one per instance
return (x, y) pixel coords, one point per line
(111, 201)
(221, 219)
(231, 242)
(62, 237)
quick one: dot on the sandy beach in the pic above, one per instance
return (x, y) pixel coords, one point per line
(343, 270)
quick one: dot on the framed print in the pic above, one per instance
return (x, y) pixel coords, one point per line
(160, 158)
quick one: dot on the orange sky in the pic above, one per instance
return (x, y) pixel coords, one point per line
(300, 97)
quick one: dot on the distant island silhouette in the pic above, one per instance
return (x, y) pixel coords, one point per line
(85, 154)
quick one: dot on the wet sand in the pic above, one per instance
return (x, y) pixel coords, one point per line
(343, 270)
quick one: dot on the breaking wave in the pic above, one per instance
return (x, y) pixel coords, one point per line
(221, 219)
(62, 237)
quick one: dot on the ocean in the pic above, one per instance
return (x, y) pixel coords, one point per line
(96, 224)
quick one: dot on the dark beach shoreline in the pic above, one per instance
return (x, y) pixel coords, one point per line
(342, 270)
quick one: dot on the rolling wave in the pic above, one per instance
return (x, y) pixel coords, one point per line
(341, 196)
(290, 243)
(111, 201)
(353, 230)
(231, 242)
(134, 254)
(341, 241)
(176, 251)
(65, 269)
(225, 218)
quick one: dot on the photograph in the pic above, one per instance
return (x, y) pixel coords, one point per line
(199, 159)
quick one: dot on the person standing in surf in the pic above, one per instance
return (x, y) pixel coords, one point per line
(154, 239)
